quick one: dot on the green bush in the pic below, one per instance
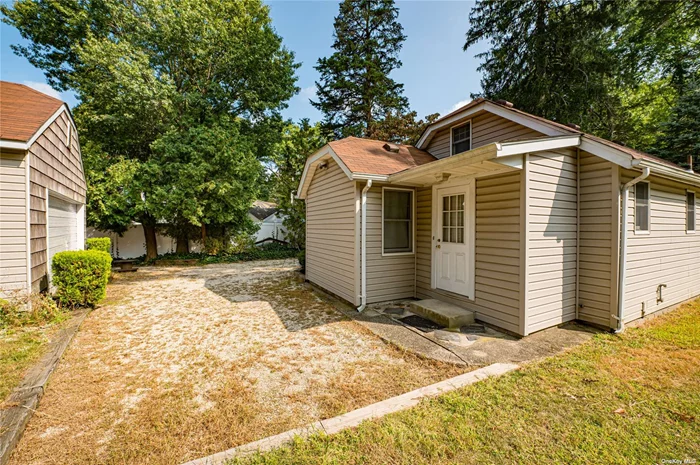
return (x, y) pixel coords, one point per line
(81, 276)
(103, 244)
(302, 260)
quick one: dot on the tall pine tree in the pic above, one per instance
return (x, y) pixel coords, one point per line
(355, 92)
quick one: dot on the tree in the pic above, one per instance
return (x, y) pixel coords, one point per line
(681, 133)
(152, 73)
(289, 157)
(355, 90)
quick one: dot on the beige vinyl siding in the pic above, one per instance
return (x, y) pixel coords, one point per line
(486, 128)
(388, 277)
(552, 201)
(597, 267)
(497, 265)
(330, 232)
(667, 255)
(13, 222)
(55, 165)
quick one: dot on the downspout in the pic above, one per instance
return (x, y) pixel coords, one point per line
(363, 249)
(578, 229)
(623, 249)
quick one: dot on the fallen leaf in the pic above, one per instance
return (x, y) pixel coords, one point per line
(620, 411)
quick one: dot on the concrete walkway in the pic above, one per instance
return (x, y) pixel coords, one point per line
(354, 418)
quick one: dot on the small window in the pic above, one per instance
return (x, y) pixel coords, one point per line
(461, 138)
(641, 207)
(398, 221)
(690, 211)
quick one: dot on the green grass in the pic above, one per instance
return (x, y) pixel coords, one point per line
(632, 398)
(19, 349)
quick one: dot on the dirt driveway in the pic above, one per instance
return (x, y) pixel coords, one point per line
(184, 362)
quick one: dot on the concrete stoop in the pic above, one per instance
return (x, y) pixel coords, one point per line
(443, 313)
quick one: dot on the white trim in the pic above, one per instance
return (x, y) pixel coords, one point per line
(665, 171)
(16, 145)
(28, 220)
(413, 222)
(695, 212)
(505, 149)
(49, 272)
(642, 232)
(459, 125)
(606, 152)
(524, 243)
(324, 152)
(367, 177)
(495, 109)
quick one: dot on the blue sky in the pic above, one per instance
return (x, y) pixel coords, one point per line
(436, 73)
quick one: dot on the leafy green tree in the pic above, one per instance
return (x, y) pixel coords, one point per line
(150, 73)
(681, 133)
(288, 160)
(355, 90)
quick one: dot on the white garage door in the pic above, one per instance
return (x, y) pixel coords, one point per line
(63, 226)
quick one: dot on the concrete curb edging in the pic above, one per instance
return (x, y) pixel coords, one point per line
(25, 398)
(354, 418)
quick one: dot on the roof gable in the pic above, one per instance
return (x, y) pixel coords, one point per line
(24, 111)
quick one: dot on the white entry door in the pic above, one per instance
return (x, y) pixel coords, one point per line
(454, 240)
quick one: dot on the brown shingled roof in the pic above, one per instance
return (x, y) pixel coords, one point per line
(23, 111)
(369, 156)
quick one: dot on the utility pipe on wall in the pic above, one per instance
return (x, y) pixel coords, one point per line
(623, 249)
(363, 249)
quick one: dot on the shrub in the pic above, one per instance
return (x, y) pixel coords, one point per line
(81, 276)
(23, 310)
(103, 244)
(302, 260)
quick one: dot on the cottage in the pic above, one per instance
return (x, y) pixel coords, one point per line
(42, 186)
(523, 221)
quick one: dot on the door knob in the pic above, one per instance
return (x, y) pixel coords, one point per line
(437, 246)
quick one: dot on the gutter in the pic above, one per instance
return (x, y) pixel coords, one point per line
(623, 249)
(363, 249)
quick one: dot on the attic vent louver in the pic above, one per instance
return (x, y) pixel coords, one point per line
(574, 126)
(505, 103)
(389, 147)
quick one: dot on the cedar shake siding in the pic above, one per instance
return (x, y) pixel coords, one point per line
(497, 267)
(13, 222)
(57, 166)
(666, 255)
(486, 129)
(389, 277)
(552, 199)
(330, 232)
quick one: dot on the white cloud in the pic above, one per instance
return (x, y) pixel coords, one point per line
(457, 105)
(43, 88)
(308, 92)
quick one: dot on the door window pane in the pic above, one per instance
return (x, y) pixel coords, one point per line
(453, 218)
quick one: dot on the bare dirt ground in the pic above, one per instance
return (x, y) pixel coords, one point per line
(183, 362)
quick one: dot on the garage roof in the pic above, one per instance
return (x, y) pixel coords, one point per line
(23, 111)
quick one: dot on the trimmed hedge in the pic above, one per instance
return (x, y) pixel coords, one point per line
(103, 244)
(81, 276)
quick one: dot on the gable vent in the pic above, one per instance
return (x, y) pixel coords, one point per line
(389, 147)
(505, 103)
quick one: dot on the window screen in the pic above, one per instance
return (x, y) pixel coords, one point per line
(398, 221)
(690, 207)
(641, 206)
(461, 139)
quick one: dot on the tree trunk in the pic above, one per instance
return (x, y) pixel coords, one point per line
(182, 245)
(149, 232)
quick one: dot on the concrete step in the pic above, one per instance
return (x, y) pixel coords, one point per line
(443, 313)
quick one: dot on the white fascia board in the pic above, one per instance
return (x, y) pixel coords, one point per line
(13, 145)
(498, 110)
(16, 145)
(368, 176)
(606, 152)
(324, 152)
(506, 149)
(665, 171)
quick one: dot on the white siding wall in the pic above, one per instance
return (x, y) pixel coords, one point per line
(598, 248)
(330, 232)
(388, 277)
(486, 128)
(497, 268)
(13, 222)
(552, 239)
(668, 255)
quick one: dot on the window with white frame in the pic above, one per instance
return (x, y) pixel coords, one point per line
(397, 224)
(641, 207)
(690, 211)
(461, 138)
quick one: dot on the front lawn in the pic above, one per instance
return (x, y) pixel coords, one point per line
(633, 398)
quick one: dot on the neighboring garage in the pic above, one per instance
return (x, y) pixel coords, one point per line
(42, 186)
